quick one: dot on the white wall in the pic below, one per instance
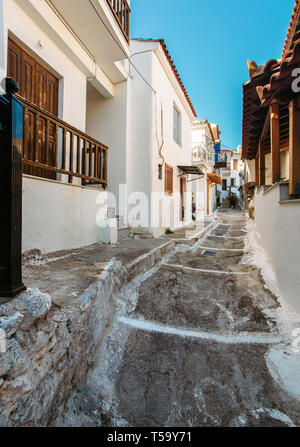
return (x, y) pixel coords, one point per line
(108, 121)
(278, 227)
(250, 168)
(57, 216)
(146, 120)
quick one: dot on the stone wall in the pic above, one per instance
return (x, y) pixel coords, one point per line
(49, 350)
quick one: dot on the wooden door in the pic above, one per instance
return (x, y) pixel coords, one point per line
(40, 87)
(182, 191)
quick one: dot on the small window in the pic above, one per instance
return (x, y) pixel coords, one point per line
(177, 125)
(160, 172)
(232, 182)
(224, 185)
(169, 180)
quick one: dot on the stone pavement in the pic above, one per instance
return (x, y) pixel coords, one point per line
(189, 345)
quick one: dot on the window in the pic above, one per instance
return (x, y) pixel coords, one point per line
(160, 172)
(235, 165)
(177, 125)
(224, 185)
(232, 182)
(169, 180)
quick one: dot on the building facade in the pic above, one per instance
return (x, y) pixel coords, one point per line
(64, 72)
(230, 176)
(205, 136)
(271, 150)
(160, 148)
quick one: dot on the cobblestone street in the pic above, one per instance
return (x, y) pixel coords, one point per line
(189, 346)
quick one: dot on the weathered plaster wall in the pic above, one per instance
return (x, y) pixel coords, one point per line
(49, 350)
(58, 216)
(278, 232)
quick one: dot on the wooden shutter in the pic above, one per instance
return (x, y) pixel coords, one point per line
(169, 180)
(40, 87)
(14, 61)
(36, 83)
(52, 94)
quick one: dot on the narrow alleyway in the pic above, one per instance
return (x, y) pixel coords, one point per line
(189, 345)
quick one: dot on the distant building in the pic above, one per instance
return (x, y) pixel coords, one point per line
(230, 176)
(205, 136)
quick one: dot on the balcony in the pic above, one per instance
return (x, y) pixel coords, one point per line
(54, 150)
(203, 155)
(121, 11)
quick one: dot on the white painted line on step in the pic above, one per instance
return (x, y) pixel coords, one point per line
(229, 237)
(229, 339)
(201, 232)
(240, 250)
(217, 272)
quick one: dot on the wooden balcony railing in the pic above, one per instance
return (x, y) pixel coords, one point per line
(53, 147)
(121, 11)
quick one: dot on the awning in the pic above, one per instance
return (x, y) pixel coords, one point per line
(192, 170)
(214, 178)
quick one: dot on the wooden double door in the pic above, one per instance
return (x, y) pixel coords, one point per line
(40, 87)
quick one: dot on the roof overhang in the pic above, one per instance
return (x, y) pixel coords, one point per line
(214, 178)
(191, 170)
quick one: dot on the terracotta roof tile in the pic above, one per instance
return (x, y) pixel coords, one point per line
(291, 26)
(168, 56)
(280, 83)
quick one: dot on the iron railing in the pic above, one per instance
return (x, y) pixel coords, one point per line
(121, 11)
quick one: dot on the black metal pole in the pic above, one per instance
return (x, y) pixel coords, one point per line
(11, 144)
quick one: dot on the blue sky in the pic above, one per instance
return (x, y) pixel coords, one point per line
(210, 42)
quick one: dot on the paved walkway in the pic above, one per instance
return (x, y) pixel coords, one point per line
(189, 345)
(66, 275)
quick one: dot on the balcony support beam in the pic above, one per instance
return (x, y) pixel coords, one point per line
(262, 163)
(275, 142)
(294, 147)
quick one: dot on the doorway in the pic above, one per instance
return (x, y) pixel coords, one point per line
(182, 204)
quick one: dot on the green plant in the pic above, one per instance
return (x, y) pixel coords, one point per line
(169, 231)
(233, 200)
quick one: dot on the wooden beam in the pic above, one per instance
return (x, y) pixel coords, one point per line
(256, 171)
(262, 163)
(266, 127)
(294, 147)
(275, 142)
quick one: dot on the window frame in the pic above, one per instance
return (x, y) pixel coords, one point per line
(177, 130)
(169, 170)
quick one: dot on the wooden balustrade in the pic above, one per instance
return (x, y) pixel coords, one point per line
(121, 12)
(52, 147)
